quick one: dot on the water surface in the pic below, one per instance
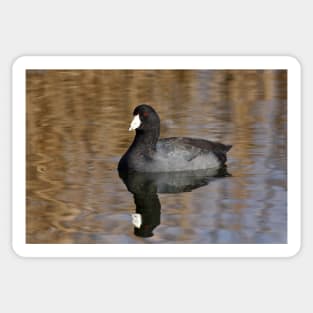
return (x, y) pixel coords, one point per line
(77, 129)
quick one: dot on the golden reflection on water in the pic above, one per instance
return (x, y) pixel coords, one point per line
(77, 129)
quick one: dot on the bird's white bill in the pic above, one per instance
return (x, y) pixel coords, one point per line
(135, 123)
(136, 220)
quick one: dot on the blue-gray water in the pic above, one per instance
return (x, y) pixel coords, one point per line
(77, 129)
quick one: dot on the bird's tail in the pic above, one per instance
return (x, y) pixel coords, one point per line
(227, 148)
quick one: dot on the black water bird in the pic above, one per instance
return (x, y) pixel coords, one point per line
(149, 153)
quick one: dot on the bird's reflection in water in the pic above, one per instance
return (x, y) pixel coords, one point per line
(146, 186)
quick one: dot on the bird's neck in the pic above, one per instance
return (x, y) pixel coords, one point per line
(147, 138)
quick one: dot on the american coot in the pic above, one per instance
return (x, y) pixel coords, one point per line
(148, 153)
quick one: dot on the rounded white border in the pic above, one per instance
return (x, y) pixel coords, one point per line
(23, 63)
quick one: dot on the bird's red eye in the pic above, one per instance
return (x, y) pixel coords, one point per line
(145, 114)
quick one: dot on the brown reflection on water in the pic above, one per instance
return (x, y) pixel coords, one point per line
(77, 124)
